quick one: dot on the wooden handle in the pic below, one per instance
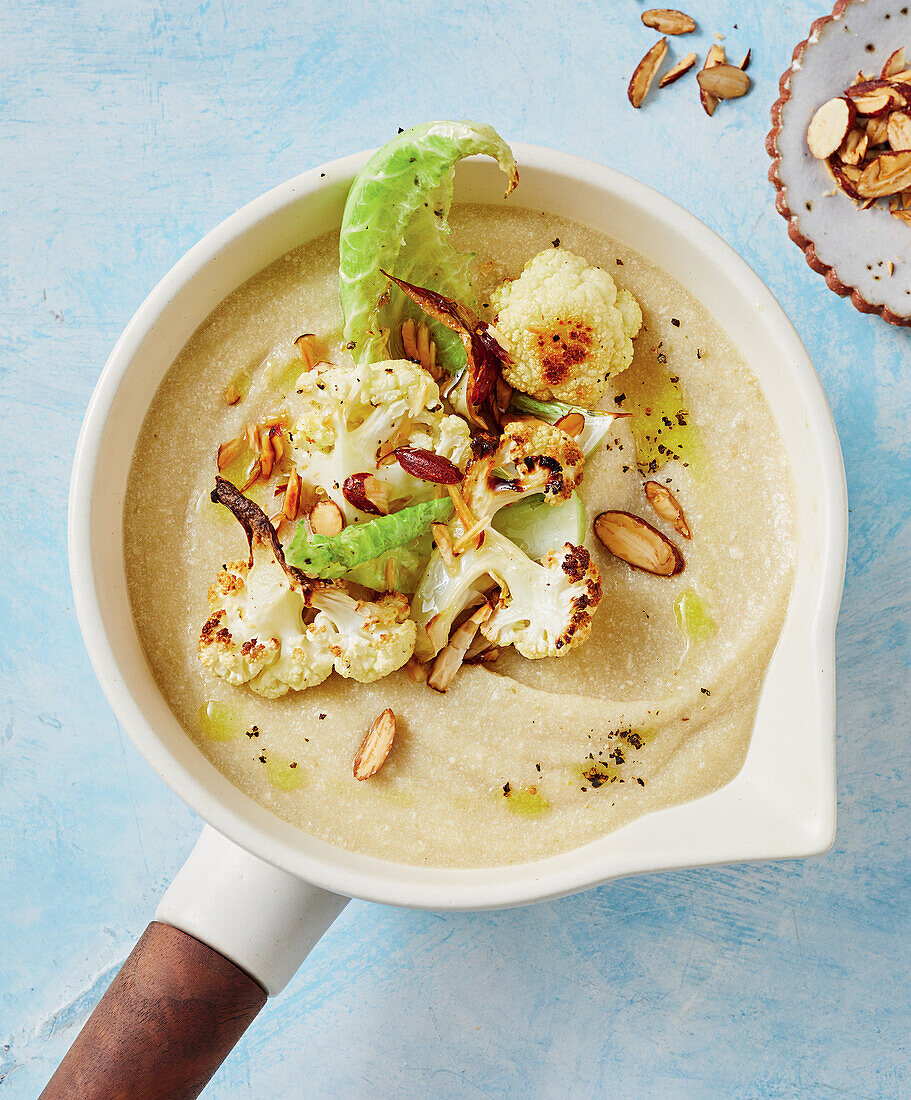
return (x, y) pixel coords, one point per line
(164, 1026)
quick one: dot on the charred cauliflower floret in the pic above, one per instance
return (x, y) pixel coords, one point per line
(567, 328)
(544, 608)
(347, 420)
(367, 640)
(257, 632)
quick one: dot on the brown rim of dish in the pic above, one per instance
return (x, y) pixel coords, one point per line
(803, 243)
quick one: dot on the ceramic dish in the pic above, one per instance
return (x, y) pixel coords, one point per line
(850, 247)
(245, 889)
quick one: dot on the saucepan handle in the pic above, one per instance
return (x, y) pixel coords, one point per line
(230, 930)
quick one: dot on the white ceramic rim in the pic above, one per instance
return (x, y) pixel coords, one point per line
(675, 836)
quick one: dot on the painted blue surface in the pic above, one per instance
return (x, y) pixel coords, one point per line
(126, 132)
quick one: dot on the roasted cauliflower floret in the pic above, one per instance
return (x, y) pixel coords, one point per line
(257, 633)
(367, 640)
(348, 420)
(544, 608)
(552, 612)
(567, 328)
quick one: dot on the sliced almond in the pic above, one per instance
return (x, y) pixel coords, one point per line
(231, 394)
(898, 131)
(715, 56)
(449, 660)
(667, 507)
(572, 424)
(462, 509)
(885, 174)
(877, 130)
(443, 540)
(306, 346)
(830, 126)
(677, 70)
(326, 518)
(906, 200)
(227, 452)
(854, 147)
(903, 216)
(846, 177)
(895, 63)
(253, 474)
(644, 74)
(727, 82)
(638, 544)
(367, 493)
(291, 500)
(376, 745)
(874, 97)
(747, 58)
(668, 21)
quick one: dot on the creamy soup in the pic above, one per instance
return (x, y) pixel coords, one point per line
(520, 759)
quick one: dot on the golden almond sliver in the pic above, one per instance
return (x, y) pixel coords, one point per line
(669, 21)
(884, 175)
(715, 56)
(642, 78)
(730, 82)
(899, 131)
(675, 73)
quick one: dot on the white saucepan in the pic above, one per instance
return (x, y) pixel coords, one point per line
(257, 893)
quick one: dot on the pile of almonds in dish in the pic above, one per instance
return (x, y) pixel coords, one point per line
(717, 79)
(864, 136)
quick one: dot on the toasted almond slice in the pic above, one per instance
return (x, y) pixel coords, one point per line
(253, 474)
(462, 510)
(854, 147)
(645, 71)
(668, 21)
(291, 500)
(227, 452)
(903, 216)
(895, 63)
(231, 394)
(638, 544)
(572, 424)
(677, 70)
(449, 660)
(747, 58)
(903, 77)
(667, 507)
(846, 177)
(443, 540)
(326, 518)
(830, 126)
(899, 131)
(727, 82)
(306, 346)
(885, 174)
(906, 200)
(254, 442)
(376, 745)
(877, 130)
(874, 97)
(277, 520)
(715, 56)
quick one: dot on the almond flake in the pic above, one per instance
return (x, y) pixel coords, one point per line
(727, 82)
(667, 507)
(854, 147)
(715, 56)
(645, 72)
(877, 131)
(747, 58)
(638, 544)
(830, 126)
(885, 174)
(898, 131)
(572, 424)
(678, 70)
(894, 64)
(326, 518)
(903, 216)
(376, 745)
(668, 21)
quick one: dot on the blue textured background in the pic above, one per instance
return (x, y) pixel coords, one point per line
(126, 132)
